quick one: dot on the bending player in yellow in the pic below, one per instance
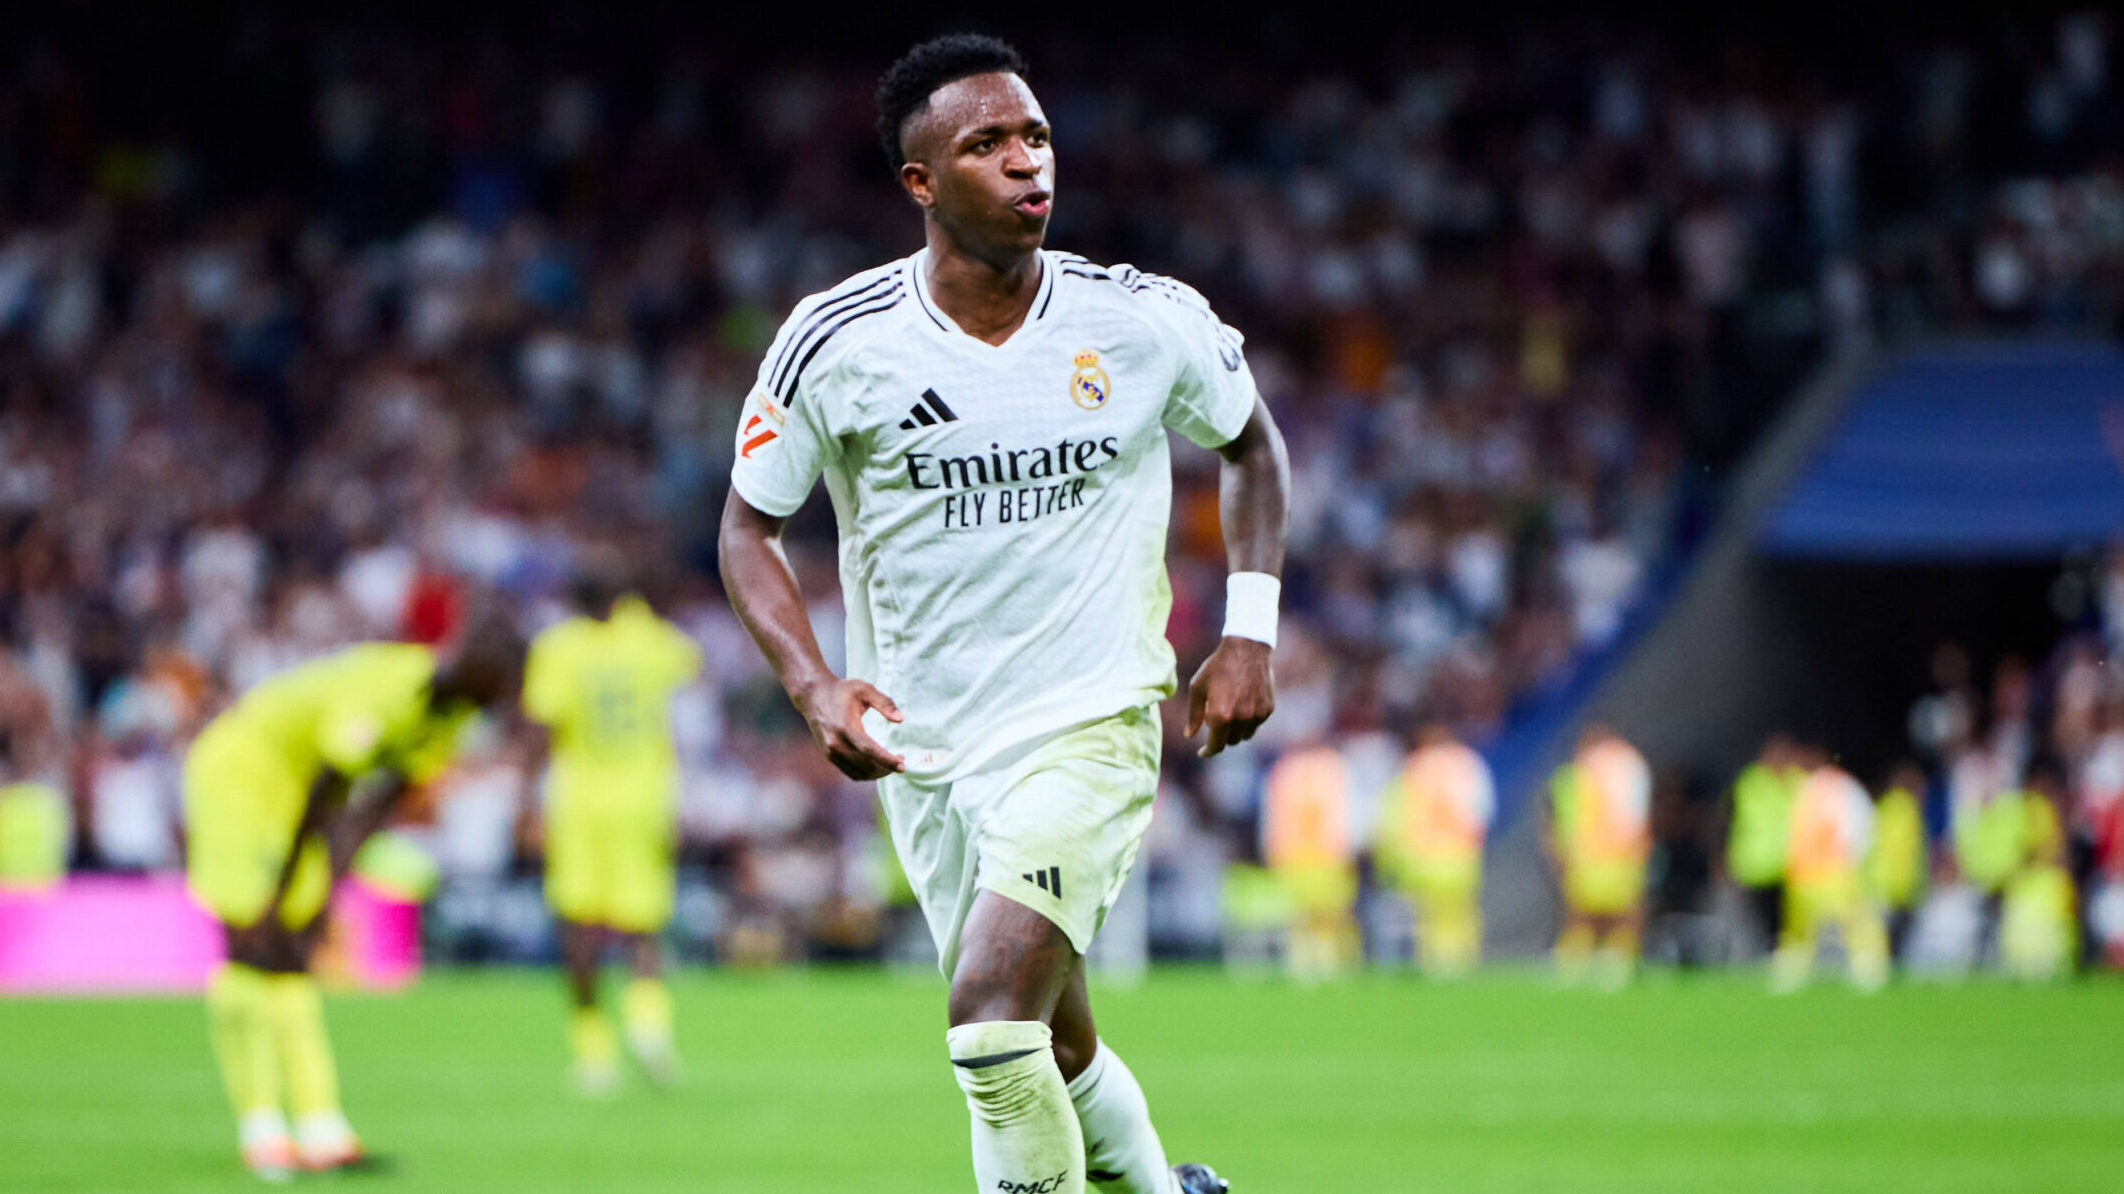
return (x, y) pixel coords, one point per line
(279, 792)
(1599, 836)
(1433, 820)
(601, 684)
(1825, 882)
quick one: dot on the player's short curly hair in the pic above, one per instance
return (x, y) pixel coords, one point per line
(907, 85)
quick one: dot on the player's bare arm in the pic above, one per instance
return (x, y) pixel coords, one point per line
(266, 942)
(1233, 692)
(763, 591)
(357, 820)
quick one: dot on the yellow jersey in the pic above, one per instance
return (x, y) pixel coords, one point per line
(1759, 841)
(602, 688)
(353, 712)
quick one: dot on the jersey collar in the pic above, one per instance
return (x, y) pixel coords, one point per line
(918, 270)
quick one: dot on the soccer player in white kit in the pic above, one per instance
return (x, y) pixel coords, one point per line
(990, 418)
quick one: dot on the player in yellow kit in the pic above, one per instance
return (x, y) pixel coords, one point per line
(1433, 819)
(279, 792)
(1831, 837)
(1305, 840)
(1600, 835)
(601, 684)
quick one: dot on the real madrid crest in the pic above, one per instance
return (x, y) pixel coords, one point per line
(1088, 386)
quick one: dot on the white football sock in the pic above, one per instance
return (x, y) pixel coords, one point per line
(259, 1127)
(1025, 1134)
(1122, 1152)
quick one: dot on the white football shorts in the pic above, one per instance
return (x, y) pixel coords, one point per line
(1055, 827)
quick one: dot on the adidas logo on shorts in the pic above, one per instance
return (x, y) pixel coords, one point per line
(929, 415)
(1050, 880)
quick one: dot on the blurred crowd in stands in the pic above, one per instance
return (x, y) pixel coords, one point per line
(430, 315)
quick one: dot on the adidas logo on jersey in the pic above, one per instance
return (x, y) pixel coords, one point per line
(928, 413)
(1050, 880)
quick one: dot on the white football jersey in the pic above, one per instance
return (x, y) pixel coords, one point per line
(1002, 508)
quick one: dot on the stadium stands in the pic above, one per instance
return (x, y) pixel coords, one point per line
(1515, 303)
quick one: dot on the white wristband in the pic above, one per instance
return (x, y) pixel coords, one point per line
(1250, 606)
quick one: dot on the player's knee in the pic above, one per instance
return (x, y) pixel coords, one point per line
(1002, 1066)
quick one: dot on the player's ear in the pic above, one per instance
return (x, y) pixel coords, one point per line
(916, 180)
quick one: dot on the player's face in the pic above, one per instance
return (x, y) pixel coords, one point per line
(981, 165)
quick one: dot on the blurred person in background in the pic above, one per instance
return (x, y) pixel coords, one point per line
(1943, 721)
(1599, 833)
(1759, 833)
(1988, 823)
(2099, 815)
(1306, 845)
(1434, 818)
(34, 829)
(280, 791)
(600, 684)
(2039, 932)
(132, 776)
(1900, 863)
(1832, 834)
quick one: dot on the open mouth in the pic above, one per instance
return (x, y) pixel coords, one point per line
(1034, 203)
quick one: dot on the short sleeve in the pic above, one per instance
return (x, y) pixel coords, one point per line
(1213, 390)
(782, 442)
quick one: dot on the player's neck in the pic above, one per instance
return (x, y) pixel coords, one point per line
(988, 297)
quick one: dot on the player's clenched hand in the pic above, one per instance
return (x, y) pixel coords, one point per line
(835, 709)
(1232, 694)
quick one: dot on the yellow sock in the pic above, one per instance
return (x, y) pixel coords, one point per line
(1574, 952)
(1617, 962)
(306, 1055)
(241, 1028)
(590, 1041)
(645, 1011)
(1452, 932)
(1866, 941)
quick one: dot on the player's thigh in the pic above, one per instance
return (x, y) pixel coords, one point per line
(576, 853)
(1603, 888)
(640, 860)
(1013, 963)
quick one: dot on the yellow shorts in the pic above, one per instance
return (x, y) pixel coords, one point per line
(1821, 899)
(609, 856)
(1444, 880)
(241, 812)
(1318, 889)
(1603, 888)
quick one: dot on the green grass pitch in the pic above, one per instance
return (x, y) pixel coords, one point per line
(836, 1081)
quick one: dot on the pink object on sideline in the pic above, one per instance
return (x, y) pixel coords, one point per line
(125, 933)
